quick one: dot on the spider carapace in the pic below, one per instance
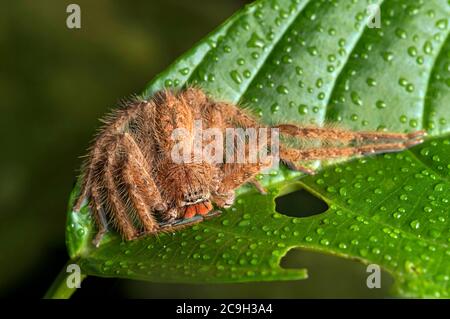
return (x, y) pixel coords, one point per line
(132, 182)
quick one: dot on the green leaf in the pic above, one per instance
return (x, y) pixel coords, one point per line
(315, 62)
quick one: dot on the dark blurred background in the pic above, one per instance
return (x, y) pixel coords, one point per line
(55, 83)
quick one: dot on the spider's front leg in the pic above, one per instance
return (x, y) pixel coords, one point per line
(141, 188)
(235, 175)
(123, 187)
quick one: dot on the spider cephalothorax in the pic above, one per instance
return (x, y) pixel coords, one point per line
(133, 181)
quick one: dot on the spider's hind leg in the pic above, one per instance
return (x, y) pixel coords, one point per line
(295, 155)
(345, 136)
(352, 144)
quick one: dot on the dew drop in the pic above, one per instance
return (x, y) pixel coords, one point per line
(388, 56)
(442, 24)
(343, 191)
(410, 87)
(356, 99)
(236, 76)
(287, 59)
(299, 70)
(281, 89)
(403, 119)
(428, 47)
(325, 242)
(275, 108)
(244, 223)
(397, 215)
(331, 189)
(303, 109)
(81, 232)
(415, 224)
(412, 51)
(319, 83)
(402, 82)
(320, 181)
(400, 33)
(184, 71)
(380, 104)
(312, 50)
(371, 82)
(255, 41)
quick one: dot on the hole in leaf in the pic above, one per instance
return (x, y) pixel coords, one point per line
(298, 202)
(332, 276)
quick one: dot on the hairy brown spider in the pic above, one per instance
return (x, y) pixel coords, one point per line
(131, 180)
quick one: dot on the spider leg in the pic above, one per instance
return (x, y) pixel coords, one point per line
(96, 191)
(258, 186)
(180, 223)
(228, 115)
(141, 188)
(89, 168)
(183, 223)
(343, 135)
(114, 123)
(294, 155)
(298, 167)
(102, 224)
(234, 176)
(118, 210)
(138, 198)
